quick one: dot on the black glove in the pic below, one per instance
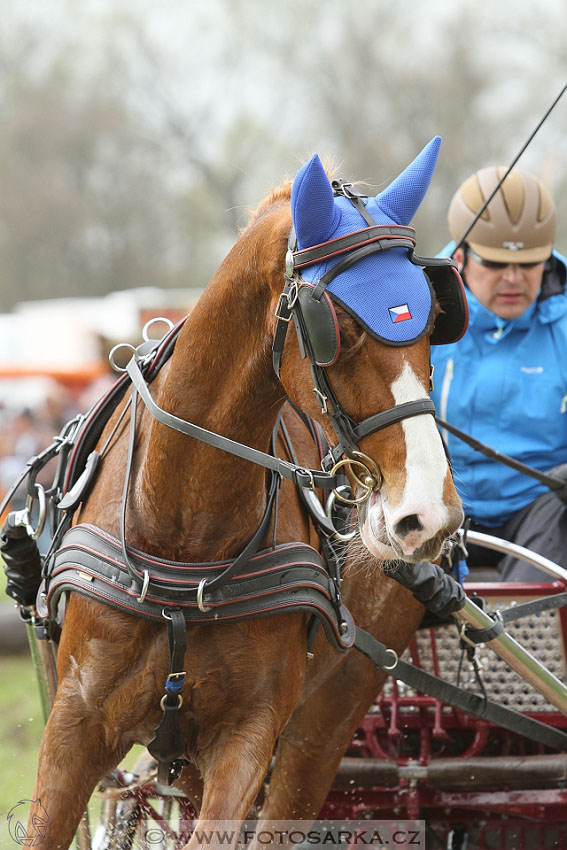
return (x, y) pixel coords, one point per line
(431, 586)
(22, 562)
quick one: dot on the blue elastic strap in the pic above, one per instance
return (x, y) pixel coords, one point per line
(461, 571)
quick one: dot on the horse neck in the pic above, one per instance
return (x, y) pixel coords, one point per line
(221, 379)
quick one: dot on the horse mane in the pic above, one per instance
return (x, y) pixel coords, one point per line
(279, 195)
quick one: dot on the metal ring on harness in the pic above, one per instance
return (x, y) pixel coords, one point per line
(395, 662)
(24, 517)
(165, 696)
(200, 605)
(463, 635)
(145, 586)
(372, 479)
(116, 347)
(329, 511)
(153, 321)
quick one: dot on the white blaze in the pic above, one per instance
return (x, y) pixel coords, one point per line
(426, 463)
(425, 472)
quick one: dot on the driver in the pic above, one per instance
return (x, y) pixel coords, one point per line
(505, 381)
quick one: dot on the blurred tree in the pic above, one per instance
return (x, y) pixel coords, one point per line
(135, 136)
(82, 208)
(373, 83)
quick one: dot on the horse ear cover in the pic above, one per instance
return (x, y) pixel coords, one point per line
(377, 289)
(399, 202)
(315, 216)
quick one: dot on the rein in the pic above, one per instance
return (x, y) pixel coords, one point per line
(551, 481)
(299, 475)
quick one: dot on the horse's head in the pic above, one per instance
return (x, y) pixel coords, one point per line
(366, 310)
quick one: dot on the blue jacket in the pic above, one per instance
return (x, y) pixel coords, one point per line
(505, 383)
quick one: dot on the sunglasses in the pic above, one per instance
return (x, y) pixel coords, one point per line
(491, 264)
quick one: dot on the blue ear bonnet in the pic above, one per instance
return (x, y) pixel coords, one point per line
(390, 296)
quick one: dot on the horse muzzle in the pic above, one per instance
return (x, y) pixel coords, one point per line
(416, 535)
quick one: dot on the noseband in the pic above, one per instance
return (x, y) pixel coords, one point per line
(318, 336)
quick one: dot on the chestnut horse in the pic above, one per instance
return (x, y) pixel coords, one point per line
(248, 682)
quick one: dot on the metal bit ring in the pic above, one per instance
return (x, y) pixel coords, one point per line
(372, 477)
(329, 511)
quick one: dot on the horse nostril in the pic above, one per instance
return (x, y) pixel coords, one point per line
(407, 524)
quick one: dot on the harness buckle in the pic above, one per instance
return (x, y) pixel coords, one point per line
(308, 472)
(343, 187)
(290, 295)
(175, 677)
(322, 399)
(70, 431)
(278, 314)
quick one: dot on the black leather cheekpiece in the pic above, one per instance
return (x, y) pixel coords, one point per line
(321, 324)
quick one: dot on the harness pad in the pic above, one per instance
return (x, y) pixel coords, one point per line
(290, 576)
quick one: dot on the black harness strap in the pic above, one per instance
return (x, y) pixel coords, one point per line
(385, 659)
(299, 475)
(168, 744)
(508, 615)
(376, 232)
(526, 609)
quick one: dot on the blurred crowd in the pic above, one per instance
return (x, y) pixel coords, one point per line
(27, 429)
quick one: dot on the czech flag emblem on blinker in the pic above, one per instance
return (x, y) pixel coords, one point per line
(401, 313)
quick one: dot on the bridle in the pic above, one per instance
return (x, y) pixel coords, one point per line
(315, 323)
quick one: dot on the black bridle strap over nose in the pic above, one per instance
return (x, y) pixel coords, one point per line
(395, 414)
(382, 420)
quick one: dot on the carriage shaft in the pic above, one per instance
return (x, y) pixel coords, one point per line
(45, 665)
(518, 658)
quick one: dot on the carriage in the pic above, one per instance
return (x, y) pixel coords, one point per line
(220, 520)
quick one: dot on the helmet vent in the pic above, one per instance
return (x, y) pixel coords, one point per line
(513, 194)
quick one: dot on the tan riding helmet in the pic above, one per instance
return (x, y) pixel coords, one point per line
(518, 226)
